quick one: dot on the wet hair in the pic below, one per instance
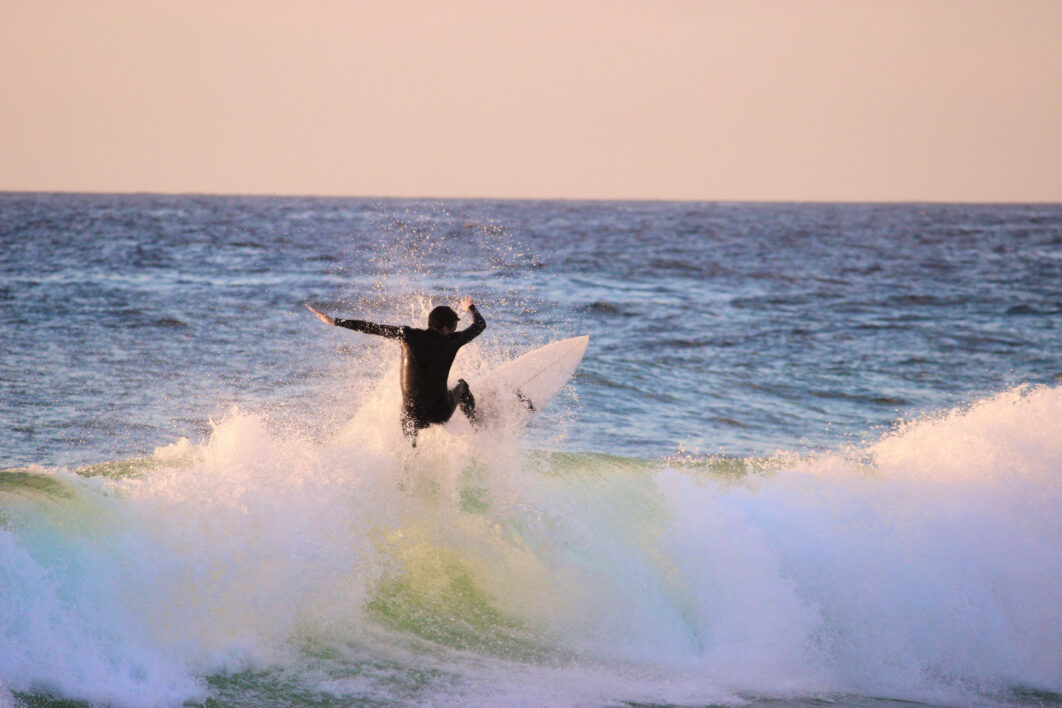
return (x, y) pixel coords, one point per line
(442, 316)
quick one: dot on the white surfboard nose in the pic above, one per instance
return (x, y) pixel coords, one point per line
(534, 378)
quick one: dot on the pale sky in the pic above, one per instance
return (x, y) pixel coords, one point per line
(882, 100)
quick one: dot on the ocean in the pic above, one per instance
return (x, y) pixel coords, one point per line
(813, 455)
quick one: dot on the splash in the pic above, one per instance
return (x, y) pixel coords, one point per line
(925, 566)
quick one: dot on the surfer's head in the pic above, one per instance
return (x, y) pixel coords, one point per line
(442, 319)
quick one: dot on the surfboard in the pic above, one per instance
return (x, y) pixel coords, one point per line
(510, 394)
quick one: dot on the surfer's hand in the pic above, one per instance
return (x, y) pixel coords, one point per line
(320, 315)
(466, 302)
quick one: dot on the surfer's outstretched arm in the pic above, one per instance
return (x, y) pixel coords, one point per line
(382, 330)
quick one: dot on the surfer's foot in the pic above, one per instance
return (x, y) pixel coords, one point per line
(409, 431)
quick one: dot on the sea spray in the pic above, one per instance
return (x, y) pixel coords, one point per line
(64, 620)
(290, 566)
(932, 573)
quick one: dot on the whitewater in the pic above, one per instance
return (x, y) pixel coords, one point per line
(212, 503)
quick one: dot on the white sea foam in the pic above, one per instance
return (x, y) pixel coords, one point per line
(925, 566)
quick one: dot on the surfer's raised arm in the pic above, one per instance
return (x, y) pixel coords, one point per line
(478, 323)
(381, 330)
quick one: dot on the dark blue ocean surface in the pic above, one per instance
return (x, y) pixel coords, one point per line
(740, 329)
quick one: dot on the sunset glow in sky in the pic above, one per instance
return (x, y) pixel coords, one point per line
(954, 100)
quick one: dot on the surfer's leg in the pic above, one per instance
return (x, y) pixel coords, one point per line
(409, 429)
(462, 396)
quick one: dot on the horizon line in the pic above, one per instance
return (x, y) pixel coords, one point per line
(599, 200)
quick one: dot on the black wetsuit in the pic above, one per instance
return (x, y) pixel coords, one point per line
(426, 359)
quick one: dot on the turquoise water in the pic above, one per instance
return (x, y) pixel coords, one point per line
(813, 455)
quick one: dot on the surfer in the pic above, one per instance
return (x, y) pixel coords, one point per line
(427, 355)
